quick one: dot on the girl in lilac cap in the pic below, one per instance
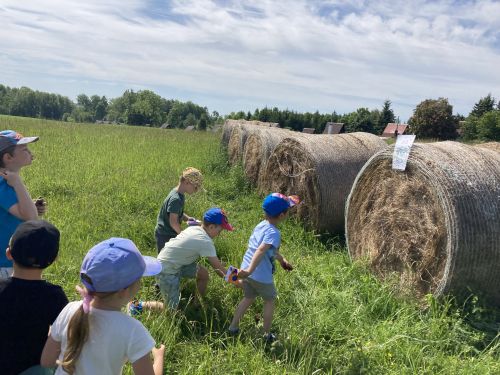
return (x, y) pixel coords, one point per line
(93, 336)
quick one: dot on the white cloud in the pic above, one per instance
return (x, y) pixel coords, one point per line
(302, 55)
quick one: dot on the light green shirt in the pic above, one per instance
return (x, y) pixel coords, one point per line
(188, 247)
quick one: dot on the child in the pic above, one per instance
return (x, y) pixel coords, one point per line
(93, 336)
(257, 267)
(180, 255)
(172, 210)
(16, 205)
(29, 305)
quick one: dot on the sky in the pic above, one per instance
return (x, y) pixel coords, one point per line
(326, 55)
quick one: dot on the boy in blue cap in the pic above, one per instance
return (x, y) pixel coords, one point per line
(258, 267)
(179, 257)
(16, 205)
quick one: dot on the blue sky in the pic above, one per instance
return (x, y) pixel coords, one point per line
(229, 55)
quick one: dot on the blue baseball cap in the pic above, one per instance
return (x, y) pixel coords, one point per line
(276, 203)
(217, 215)
(115, 264)
(10, 138)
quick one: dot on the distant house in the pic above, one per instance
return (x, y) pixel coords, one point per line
(334, 128)
(308, 130)
(461, 126)
(189, 128)
(390, 129)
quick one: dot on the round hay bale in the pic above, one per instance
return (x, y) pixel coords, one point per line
(227, 128)
(258, 148)
(237, 141)
(321, 170)
(434, 225)
(495, 146)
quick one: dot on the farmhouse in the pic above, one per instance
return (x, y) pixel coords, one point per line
(334, 128)
(390, 129)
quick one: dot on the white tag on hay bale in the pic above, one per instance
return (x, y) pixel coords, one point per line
(402, 151)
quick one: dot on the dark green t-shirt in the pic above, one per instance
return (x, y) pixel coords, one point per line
(173, 203)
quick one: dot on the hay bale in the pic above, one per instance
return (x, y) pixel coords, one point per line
(321, 170)
(227, 128)
(490, 145)
(258, 148)
(435, 225)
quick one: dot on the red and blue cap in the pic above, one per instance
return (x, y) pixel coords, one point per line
(115, 264)
(276, 203)
(217, 216)
(10, 138)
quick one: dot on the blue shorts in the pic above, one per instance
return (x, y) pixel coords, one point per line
(170, 283)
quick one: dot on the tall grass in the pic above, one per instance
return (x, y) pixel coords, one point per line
(332, 315)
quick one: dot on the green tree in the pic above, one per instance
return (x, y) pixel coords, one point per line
(469, 130)
(488, 126)
(386, 117)
(484, 105)
(433, 118)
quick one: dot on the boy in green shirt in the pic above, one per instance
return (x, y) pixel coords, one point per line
(171, 213)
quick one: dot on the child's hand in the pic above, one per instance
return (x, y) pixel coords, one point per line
(41, 206)
(243, 274)
(285, 265)
(12, 178)
(238, 284)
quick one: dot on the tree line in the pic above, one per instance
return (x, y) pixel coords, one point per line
(142, 108)
(432, 118)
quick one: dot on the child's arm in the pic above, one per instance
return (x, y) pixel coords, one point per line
(257, 256)
(217, 266)
(284, 263)
(25, 208)
(50, 352)
(173, 220)
(143, 366)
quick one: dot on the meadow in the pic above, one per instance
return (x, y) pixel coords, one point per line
(333, 316)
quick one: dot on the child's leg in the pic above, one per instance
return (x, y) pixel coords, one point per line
(240, 311)
(268, 314)
(202, 280)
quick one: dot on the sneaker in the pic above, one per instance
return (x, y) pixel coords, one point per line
(233, 331)
(269, 338)
(135, 308)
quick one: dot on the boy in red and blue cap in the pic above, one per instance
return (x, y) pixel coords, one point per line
(257, 268)
(16, 205)
(179, 257)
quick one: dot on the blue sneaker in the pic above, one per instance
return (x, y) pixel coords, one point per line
(135, 308)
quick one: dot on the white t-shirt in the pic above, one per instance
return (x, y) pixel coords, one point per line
(113, 339)
(189, 245)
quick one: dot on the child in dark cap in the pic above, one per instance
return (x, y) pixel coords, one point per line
(29, 305)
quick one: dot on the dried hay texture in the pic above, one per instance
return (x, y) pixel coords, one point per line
(227, 128)
(258, 148)
(229, 125)
(436, 226)
(490, 145)
(321, 170)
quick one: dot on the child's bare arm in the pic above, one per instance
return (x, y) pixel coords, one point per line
(25, 208)
(284, 263)
(173, 220)
(217, 266)
(143, 366)
(50, 352)
(257, 256)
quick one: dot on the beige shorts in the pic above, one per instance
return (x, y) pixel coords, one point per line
(253, 289)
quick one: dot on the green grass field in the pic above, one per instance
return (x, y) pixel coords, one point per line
(332, 316)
